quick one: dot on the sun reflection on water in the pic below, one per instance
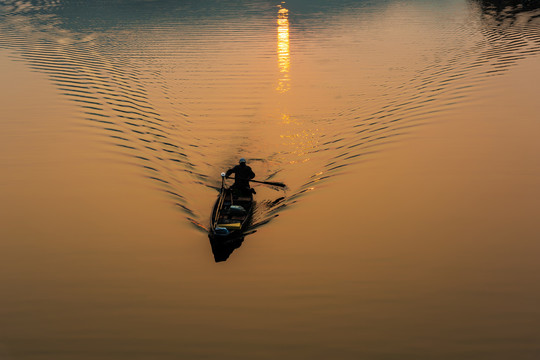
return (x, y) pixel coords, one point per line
(300, 140)
(296, 137)
(284, 56)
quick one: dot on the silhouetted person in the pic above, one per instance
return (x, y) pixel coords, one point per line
(242, 175)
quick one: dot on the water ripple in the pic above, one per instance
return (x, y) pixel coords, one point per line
(172, 91)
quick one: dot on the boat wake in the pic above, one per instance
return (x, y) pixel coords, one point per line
(180, 92)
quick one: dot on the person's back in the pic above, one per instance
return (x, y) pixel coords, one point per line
(243, 174)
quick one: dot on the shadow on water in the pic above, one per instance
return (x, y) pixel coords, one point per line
(510, 7)
(133, 78)
(222, 249)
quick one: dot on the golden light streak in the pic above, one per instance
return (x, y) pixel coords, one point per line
(283, 53)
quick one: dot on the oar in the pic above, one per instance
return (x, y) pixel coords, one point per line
(273, 183)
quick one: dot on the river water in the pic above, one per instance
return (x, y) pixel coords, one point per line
(407, 133)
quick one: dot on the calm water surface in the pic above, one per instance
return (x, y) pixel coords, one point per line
(407, 133)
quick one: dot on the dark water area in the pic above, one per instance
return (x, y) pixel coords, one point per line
(406, 133)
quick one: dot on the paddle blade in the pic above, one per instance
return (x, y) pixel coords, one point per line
(273, 183)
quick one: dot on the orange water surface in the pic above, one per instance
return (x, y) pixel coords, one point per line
(407, 133)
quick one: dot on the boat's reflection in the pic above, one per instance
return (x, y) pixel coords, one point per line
(223, 248)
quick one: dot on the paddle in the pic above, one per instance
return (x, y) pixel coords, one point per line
(273, 183)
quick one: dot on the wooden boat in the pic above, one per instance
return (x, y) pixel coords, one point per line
(232, 213)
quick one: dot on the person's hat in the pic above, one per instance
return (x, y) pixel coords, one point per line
(242, 160)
